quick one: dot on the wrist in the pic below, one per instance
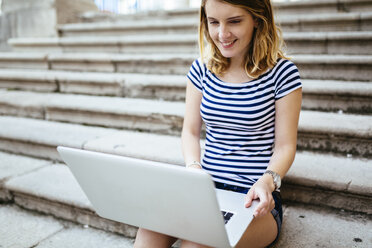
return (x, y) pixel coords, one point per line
(268, 180)
(194, 164)
(275, 178)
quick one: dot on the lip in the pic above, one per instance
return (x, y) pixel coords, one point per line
(227, 45)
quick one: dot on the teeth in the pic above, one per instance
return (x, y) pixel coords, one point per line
(227, 44)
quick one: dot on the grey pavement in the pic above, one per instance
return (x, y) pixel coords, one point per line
(80, 237)
(314, 227)
(21, 229)
(26, 229)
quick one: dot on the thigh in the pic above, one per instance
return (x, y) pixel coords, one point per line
(260, 233)
(146, 238)
(189, 244)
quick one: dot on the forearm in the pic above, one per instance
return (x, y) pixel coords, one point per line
(280, 163)
(286, 125)
(190, 147)
(282, 159)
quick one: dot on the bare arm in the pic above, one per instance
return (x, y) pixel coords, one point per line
(287, 112)
(192, 125)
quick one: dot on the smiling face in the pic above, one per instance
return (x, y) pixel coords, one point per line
(230, 28)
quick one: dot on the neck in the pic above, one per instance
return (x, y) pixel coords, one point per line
(236, 64)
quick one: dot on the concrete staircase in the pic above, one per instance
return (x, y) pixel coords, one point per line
(116, 84)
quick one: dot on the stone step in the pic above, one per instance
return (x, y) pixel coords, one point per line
(305, 43)
(310, 227)
(24, 60)
(327, 22)
(322, 223)
(135, 27)
(322, 6)
(301, 23)
(322, 131)
(327, 67)
(168, 87)
(282, 8)
(116, 112)
(318, 179)
(28, 229)
(337, 96)
(345, 230)
(349, 97)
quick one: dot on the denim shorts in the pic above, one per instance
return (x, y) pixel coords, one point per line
(277, 212)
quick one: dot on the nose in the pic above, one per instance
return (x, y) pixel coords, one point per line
(223, 32)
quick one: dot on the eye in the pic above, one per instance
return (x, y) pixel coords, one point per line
(235, 21)
(213, 22)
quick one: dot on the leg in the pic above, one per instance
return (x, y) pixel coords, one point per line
(260, 233)
(189, 244)
(146, 238)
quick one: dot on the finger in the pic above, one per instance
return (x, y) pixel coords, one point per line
(263, 202)
(260, 207)
(264, 205)
(249, 198)
(261, 212)
(267, 208)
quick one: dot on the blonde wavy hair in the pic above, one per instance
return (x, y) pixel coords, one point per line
(265, 47)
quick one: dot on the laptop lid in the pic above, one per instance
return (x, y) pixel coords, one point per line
(164, 198)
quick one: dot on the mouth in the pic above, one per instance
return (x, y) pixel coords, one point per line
(228, 44)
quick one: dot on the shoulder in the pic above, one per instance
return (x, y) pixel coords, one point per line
(199, 64)
(285, 65)
(198, 67)
(287, 78)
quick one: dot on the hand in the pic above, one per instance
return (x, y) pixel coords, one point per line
(262, 190)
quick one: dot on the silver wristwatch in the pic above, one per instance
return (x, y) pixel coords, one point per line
(276, 178)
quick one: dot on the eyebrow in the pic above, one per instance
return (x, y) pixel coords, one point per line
(230, 18)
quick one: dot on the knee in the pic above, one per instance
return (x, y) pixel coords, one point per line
(142, 238)
(146, 238)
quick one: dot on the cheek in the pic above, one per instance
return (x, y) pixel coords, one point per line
(247, 35)
(213, 33)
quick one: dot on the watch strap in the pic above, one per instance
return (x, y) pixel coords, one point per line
(274, 175)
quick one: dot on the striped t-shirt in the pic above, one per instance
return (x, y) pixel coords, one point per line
(239, 120)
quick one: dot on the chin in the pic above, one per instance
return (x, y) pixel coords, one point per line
(227, 54)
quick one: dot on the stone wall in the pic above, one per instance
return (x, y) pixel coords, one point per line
(38, 18)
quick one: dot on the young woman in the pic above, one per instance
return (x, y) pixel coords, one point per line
(249, 96)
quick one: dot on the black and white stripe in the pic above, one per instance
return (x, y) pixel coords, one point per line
(239, 119)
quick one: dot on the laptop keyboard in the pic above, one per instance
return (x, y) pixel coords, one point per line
(227, 216)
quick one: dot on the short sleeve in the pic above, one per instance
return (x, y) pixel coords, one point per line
(288, 79)
(196, 74)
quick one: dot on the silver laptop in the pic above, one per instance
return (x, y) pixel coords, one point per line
(165, 198)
